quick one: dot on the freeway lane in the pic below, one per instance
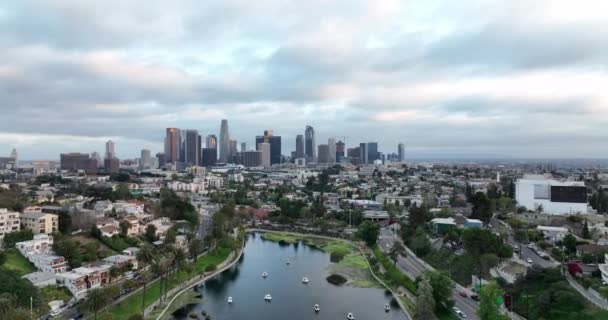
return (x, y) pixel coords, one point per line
(413, 266)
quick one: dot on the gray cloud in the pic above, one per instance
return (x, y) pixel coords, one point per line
(506, 83)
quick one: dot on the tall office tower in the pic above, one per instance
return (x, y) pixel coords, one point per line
(191, 147)
(331, 144)
(233, 149)
(401, 151)
(252, 158)
(372, 152)
(310, 143)
(299, 146)
(145, 161)
(208, 157)
(363, 156)
(211, 142)
(172, 145)
(323, 155)
(95, 155)
(111, 165)
(275, 145)
(15, 157)
(264, 148)
(110, 152)
(340, 151)
(224, 142)
(243, 146)
(355, 155)
(160, 160)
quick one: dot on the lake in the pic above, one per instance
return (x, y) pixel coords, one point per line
(291, 299)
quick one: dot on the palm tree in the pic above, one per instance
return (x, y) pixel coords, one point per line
(96, 299)
(145, 256)
(396, 250)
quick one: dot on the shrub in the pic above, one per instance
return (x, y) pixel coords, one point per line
(336, 279)
(336, 256)
(210, 267)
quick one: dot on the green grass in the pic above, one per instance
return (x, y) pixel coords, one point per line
(132, 305)
(17, 262)
(282, 237)
(548, 295)
(354, 261)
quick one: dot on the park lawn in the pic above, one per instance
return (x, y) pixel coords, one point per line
(354, 261)
(132, 305)
(17, 262)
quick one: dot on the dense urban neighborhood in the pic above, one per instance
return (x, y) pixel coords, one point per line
(450, 240)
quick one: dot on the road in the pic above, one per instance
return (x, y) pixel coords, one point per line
(413, 266)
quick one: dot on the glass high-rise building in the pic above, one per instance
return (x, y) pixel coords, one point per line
(340, 151)
(331, 155)
(172, 145)
(310, 143)
(300, 146)
(224, 142)
(191, 149)
(211, 141)
(363, 156)
(372, 152)
(275, 145)
(401, 151)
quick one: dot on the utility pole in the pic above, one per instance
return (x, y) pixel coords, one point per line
(32, 307)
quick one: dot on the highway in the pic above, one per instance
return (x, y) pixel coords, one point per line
(413, 266)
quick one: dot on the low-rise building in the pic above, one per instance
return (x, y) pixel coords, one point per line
(40, 222)
(41, 244)
(49, 263)
(9, 222)
(134, 226)
(122, 261)
(553, 234)
(41, 279)
(443, 225)
(76, 283)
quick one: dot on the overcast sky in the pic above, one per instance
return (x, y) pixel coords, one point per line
(447, 78)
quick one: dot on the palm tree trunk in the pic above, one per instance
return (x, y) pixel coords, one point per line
(143, 299)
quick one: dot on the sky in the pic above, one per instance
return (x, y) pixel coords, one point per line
(519, 79)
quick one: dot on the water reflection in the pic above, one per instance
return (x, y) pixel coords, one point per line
(291, 299)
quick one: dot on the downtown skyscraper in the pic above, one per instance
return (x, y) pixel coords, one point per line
(310, 144)
(401, 151)
(191, 147)
(172, 145)
(110, 150)
(300, 146)
(224, 142)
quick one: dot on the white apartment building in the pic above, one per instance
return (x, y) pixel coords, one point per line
(552, 196)
(9, 222)
(49, 263)
(41, 244)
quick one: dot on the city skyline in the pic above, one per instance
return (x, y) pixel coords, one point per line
(494, 79)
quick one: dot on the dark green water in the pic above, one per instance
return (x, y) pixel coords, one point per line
(291, 299)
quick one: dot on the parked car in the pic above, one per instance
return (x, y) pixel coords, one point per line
(529, 261)
(463, 294)
(475, 297)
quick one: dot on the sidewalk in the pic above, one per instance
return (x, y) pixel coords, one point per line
(600, 302)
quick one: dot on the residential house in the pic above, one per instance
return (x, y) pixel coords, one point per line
(134, 226)
(122, 261)
(41, 279)
(76, 283)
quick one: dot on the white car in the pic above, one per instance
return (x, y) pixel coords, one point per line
(529, 261)
(459, 313)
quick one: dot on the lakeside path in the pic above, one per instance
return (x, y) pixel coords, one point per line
(304, 235)
(227, 264)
